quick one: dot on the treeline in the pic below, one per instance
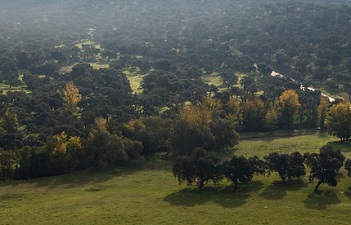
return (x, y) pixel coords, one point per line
(108, 143)
(209, 124)
(201, 167)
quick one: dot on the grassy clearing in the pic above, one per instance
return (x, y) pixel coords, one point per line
(135, 83)
(100, 65)
(214, 79)
(6, 88)
(84, 42)
(135, 78)
(149, 194)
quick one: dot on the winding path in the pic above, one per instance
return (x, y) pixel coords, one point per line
(302, 87)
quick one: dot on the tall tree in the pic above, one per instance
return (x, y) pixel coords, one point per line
(338, 121)
(254, 115)
(289, 103)
(71, 96)
(322, 111)
(271, 117)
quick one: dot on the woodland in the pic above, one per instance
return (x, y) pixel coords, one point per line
(86, 84)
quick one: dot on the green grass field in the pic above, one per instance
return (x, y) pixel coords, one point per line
(147, 193)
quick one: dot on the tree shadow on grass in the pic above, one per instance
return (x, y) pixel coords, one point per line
(94, 176)
(320, 200)
(278, 190)
(226, 197)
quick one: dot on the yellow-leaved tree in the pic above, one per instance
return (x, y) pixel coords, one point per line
(66, 153)
(271, 117)
(71, 96)
(322, 111)
(201, 113)
(338, 121)
(289, 107)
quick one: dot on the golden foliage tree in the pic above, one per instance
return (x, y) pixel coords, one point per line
(66, 152)
(100, 124)
(289, 106)
(71, 96)
(322, 111)
(271, 117)
(201, 113)
(338, 121)
(61, 145)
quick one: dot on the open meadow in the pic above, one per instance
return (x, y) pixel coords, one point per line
(147, 193)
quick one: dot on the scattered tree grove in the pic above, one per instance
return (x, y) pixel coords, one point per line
(323, 166)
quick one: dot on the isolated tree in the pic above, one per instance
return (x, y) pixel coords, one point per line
(200, 167)
(338, 121)
(325, 165)
(289, 106)
(71, 96)
(287, 166)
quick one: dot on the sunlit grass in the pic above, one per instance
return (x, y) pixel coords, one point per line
(135, 83)
(99, 65)
(214, 79)
(147, 193)
(6, 88)
(264, 145)
(135, 78)
(84, 42)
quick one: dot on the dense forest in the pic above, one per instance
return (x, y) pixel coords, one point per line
(89, 84)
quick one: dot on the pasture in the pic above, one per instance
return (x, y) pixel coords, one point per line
(145, 192)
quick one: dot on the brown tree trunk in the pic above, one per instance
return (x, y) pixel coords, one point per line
(316, 188)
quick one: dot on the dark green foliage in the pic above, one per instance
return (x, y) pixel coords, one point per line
(287, 166)
(238, 169)
(171, 52)
(188, 136)
(8, 164)
(259, 166)
(348, 167)
(104, 149)
(200, 167)
(154, 133)
(325, 165)
(224, 135)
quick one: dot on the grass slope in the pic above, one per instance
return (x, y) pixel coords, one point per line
(149, 194)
